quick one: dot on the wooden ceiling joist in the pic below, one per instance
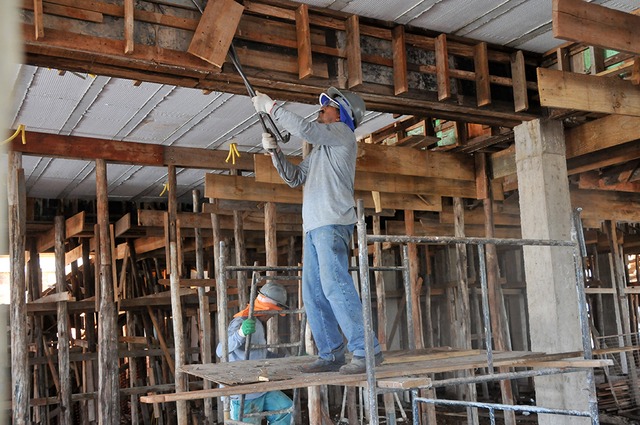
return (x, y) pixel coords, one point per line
(596, 25)
(85, 46)
(568, 90)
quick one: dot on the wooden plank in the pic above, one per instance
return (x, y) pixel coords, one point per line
(601, 134)
(560, 89)
(398, 46)
(215, 31)
(605, 205)
(353, 52)
(289, 369)
(382, 182)
(596, 25)
(519, 78)
(73, 226)
(477, 216)
(593, 180)
(481, 67)
(305, 68)
(55, 297)
(38, 23)
(128, 26)
(76, 147)
(49, 8)
(563, 59)
(399, 161)
(405, 382)
(442, 68)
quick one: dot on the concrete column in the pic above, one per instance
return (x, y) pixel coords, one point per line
(545, 209)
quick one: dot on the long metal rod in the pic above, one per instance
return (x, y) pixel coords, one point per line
(450, 240)
(579, 252)
(247, 340)
(486, 319)
(406, 280)
(511, 407)
(363, 260)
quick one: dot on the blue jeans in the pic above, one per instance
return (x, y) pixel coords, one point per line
(271, 401)
(330, 297)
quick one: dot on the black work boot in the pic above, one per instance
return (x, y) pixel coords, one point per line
(358, 364)
(322, 365)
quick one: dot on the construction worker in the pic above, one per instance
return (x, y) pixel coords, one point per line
(331, 301)
(271, 296)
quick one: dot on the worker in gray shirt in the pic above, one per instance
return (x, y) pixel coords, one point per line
(328, 214)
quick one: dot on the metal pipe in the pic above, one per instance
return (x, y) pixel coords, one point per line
(406, 280)
(450, 240)
(486, 319)
(511, 407)
(247, 340)
(363, 260)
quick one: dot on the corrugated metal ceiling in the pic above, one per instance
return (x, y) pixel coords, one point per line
(111, 108)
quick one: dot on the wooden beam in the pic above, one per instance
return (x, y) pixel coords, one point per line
(601, 134)
(38, 23)
(605, 205)
(398, 46)
(592, 180)
(77, 147)
(217, 26)
(481, 67)
(401, 161)
(63, 324)
(73, 226)
(248, 189)
(596, 25)
(129, 8)
(560, 89)
(519, 77)
(305, 68)
(353, 52)
(442, 68)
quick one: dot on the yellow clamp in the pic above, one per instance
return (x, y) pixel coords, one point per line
(21, 129)
(233, 153)
(165, 187)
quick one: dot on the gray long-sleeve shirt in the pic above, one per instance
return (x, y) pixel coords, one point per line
(328, 172)
(236, 347)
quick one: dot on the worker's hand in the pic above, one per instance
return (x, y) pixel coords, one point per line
(262, 103)
(269, 142)
(248, 327)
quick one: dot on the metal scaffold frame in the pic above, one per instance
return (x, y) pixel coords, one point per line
(579, 252)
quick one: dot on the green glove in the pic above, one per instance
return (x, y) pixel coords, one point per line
(248, 327)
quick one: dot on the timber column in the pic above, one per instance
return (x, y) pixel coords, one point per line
(545, 209)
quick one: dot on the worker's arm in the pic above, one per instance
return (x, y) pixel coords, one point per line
(293, 175)
(335, 134)
(235, 340)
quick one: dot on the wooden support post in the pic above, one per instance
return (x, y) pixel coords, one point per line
(176, 306)
(462, 303)
(381, 302)
(400, 80)
(563, 58)
(303, 32)
(128, 26)
(495, 298)
(597, 59)
(519, 80)
(620, 282)
(108, 367)
(481, 66)
(416, 283)
(38, 23)
(271, 246)
(353, 52)
(203, 309)
(442, 68)
(63, 325)
(20, 375)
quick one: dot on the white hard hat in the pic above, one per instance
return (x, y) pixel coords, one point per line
(276, 292)
(349, 101)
